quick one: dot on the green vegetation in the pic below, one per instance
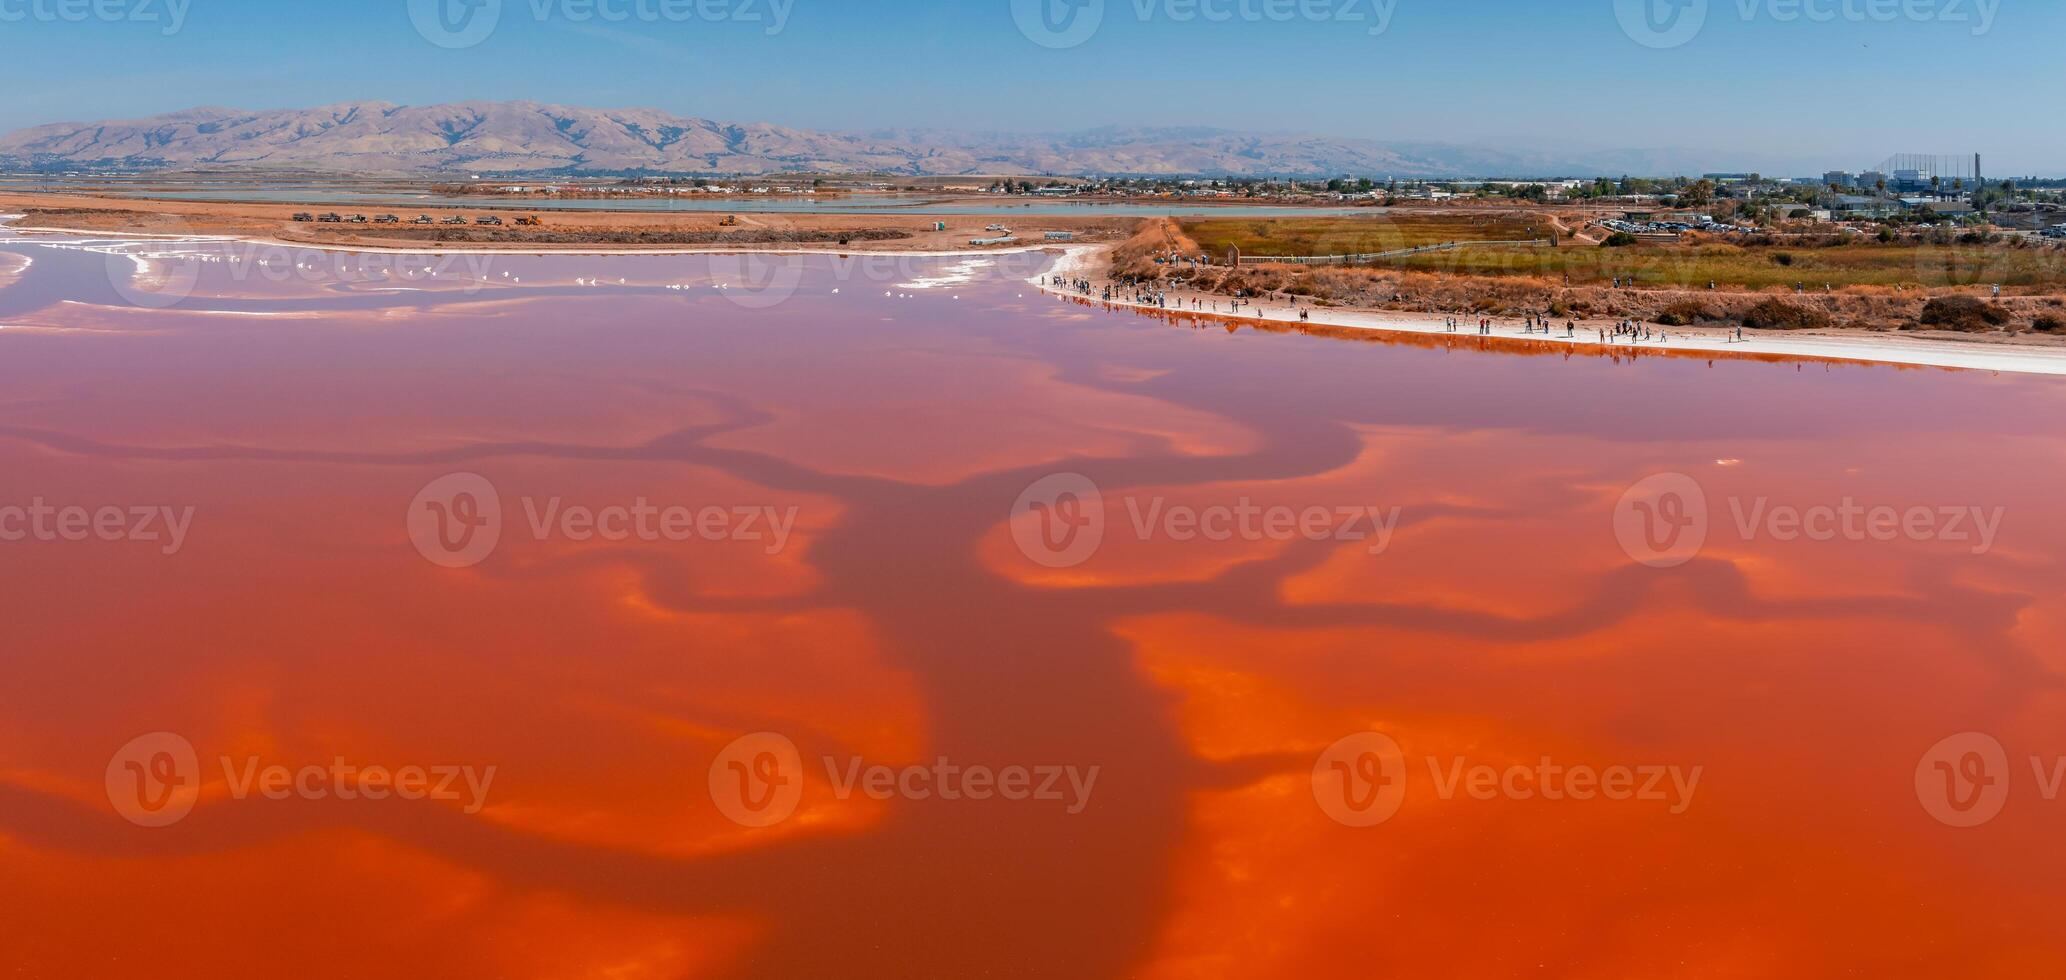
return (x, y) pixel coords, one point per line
(1753, 267)
(1380, 232)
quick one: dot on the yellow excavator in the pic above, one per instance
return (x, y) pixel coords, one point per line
(731, 221)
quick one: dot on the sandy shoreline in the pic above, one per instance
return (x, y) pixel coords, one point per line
(1868, 348)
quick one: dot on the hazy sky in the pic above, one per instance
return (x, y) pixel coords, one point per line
(1838, 83)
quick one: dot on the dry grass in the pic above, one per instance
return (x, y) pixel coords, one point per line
(2035, 268)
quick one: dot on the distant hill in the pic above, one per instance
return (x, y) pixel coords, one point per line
(529, 137)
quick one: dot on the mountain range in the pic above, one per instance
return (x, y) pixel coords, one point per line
(530, 137)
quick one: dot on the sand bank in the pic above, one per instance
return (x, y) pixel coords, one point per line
(1874, 348)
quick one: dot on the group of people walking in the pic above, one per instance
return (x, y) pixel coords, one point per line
(1151, 294)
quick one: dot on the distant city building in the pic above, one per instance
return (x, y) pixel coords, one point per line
(1855, 205)
(1840, 178)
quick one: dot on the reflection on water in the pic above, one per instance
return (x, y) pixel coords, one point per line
(713, 540)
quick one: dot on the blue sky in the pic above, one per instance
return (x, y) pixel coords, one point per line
(1776, 83)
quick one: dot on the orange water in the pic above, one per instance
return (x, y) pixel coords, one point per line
(902, 621)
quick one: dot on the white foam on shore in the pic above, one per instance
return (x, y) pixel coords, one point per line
(959, 274)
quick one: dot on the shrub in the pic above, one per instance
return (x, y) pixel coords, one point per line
(1962, 313)
(1783, 258)
(2049, 323)
(1619, 239)
(1776, 314)
(1684, 313)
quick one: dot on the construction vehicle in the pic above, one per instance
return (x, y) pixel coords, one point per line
(457, 219)
(487, 219)
(731, 221)
(330, 218)
(387, 219)
(304, 216)
(529, 221)
(422, 219)
(357, 219)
